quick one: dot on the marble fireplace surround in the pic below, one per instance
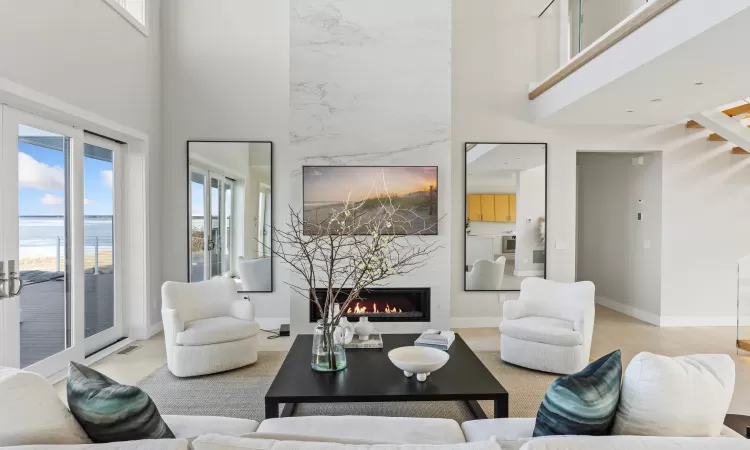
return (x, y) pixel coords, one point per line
(370, 84)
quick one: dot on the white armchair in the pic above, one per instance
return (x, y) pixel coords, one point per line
(207, 327)
(486, 275)
(255, 274)
(549, 328)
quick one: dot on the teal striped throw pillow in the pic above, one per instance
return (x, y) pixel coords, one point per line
(111, 412)
(583, 403)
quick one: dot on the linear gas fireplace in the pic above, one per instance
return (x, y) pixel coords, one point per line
(384, 305)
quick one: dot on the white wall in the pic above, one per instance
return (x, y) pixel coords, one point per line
(85, 54)
(370, 85)
(225, 76)
(530, 207)
(611, 249)
(702, 181)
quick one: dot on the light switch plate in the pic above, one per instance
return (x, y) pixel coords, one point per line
(559, 245)
(646, 243)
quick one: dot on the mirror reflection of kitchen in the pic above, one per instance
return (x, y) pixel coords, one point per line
(505, 215)
(232, 180)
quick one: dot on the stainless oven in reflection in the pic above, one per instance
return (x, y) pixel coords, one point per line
(509, 244)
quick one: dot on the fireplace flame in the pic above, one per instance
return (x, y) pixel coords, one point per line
(374, 309)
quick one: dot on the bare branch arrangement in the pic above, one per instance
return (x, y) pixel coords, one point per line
(353, 249)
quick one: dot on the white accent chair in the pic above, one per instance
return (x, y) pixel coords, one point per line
(549, 328)
(207, 327)
(486, 275)
(255, 274)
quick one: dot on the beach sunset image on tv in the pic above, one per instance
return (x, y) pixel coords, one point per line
(410, 189)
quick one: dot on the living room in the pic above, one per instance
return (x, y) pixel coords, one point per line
(312, 96)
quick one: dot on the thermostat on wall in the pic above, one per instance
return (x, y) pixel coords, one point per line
(640, 217)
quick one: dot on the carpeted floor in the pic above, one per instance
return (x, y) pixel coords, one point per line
(240, 393)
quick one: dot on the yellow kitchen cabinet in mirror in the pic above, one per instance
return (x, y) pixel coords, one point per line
(491, 207)
(502, 208)
(488, 207)
(474, 212)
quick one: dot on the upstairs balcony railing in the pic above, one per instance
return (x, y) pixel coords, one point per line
(572, 32)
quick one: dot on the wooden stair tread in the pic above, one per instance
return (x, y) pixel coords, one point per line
(738, 110)
(693, 124)
(740, 151)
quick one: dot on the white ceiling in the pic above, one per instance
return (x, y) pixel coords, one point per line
(496, 158)
(668, 79)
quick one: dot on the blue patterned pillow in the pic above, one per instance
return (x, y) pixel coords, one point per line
(111, 412)
(583, 403)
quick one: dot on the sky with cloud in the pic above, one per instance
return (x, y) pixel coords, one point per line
(336, 183)
(41, 178)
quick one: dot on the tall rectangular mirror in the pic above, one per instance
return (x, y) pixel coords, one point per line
(232, 180)
(506, 214)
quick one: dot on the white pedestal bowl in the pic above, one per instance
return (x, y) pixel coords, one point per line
(419, 360)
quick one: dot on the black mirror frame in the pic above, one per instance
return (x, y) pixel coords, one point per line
(546, 210)
(187, 194)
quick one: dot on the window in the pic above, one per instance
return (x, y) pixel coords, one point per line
(134, 11)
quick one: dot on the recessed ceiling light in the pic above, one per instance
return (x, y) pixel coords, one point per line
(699, 83)
(629, 111)
(505, 163)
(518, 157)
(655, 100)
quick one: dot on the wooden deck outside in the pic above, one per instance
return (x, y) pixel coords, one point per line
(43, 310)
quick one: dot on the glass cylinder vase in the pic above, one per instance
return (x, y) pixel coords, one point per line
(328, 352)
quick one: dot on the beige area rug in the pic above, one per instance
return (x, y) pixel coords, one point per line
(240, 393)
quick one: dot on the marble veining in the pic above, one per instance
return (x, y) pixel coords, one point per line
(370, 84)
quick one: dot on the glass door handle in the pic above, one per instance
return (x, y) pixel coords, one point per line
(3, 281)
(14, 277)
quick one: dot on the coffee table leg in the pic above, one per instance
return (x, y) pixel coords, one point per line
(272, 409)
(501, 407)
(476, 411)
(288, 410)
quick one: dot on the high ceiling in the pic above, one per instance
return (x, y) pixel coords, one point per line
(489, 158)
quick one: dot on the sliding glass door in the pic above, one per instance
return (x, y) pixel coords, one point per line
(103, 318)
(51, 264)
(42, 237)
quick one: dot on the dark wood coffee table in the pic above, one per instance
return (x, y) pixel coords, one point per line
(371, 377)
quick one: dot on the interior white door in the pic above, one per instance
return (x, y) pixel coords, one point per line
(41, 230)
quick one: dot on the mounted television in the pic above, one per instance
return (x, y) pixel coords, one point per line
(406, 194)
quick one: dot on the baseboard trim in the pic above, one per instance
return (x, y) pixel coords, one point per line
(155, 328)
(698, 321)
(475, 322)
(646, 316)
(667, 321)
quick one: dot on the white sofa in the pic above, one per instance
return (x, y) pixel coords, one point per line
(208, 328)
(550, 327)
(33, 416)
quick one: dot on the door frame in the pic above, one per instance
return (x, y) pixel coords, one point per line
(74, 350)
(141, 292)
(206, 221)
(111, 335)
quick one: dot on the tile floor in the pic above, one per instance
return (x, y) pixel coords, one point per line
(612, 331)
